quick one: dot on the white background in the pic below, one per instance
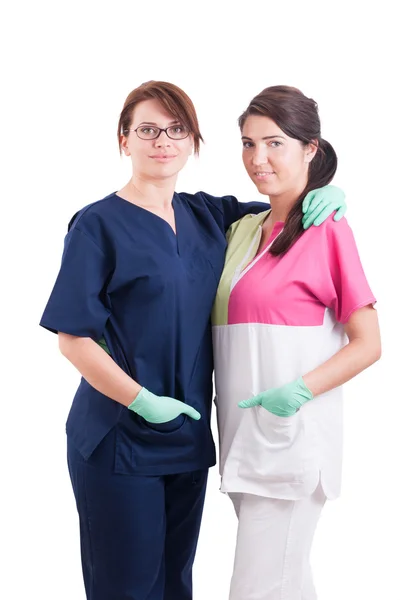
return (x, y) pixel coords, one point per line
(67, 68)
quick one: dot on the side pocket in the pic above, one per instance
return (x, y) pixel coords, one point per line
(280, 432)
(274, 448)
(169, 427)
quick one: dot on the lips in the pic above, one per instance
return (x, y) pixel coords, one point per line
(263, 175)
(163, 156)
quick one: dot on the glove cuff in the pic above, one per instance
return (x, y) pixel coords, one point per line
(303, 390)
(141, 396)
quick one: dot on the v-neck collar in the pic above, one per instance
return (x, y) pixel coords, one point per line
(175, 206)
(277, 228)
(241, 269)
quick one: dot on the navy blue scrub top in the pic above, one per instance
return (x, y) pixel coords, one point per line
(127, 277)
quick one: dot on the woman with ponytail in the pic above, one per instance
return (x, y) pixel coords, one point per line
(293, 320)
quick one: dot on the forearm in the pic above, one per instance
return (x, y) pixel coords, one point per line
(98, 368)
(356, 356)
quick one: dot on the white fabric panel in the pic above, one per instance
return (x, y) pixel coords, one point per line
(261, 453)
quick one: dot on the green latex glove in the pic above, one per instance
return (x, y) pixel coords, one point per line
(284, 401)
(160, 409)
(319, 205)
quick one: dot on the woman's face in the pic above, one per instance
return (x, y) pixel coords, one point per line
(160, 158)
(276, 163)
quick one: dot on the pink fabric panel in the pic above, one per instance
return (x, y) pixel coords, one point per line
(322, 269)
(344, 287)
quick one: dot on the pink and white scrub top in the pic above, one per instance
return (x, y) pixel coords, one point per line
(274, 320)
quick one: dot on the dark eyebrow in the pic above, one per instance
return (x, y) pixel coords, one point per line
(268, 137)
(156, 124)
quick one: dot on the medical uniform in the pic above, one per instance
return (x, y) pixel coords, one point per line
(274, 320)
(125, 277)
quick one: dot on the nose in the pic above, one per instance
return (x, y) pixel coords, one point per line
(162, 140)
(259, 155)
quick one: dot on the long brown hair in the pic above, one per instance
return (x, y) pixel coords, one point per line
(172, 99)
(298, 117)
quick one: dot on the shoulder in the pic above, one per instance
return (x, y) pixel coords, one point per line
(247, 225)
(208, 200)
(330, 230)
(93, 214)
(251, 220)
(98, 222)
(200, 199)
(338, 232)
(332, 242)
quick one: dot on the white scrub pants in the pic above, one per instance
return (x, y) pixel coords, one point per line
(273, 547)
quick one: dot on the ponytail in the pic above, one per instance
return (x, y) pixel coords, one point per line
(321, 172)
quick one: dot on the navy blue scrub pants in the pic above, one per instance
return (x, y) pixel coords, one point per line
(138, 533)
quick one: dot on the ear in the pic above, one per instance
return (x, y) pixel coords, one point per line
(310, 150)
(124, 144)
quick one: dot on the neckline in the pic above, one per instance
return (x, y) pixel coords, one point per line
(276, 229)
(146, 210)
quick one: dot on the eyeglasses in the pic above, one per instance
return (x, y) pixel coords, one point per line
(175, 132)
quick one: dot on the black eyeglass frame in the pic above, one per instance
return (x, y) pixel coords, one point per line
(158, 134)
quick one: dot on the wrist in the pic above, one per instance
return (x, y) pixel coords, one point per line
(305, 389)
(137, 399)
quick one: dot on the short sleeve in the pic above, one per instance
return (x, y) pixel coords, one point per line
(344, 287)
(76, 303)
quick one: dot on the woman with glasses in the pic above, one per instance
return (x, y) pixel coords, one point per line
(287, 303)
(131, 306)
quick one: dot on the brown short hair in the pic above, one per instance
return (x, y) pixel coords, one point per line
(172, 99)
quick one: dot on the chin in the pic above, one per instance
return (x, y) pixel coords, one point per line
(267, 189)
(165, 171)
(171, 169)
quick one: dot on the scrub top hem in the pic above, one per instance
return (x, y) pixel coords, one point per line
(153, 470)
(239, 487)
(166, 469)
